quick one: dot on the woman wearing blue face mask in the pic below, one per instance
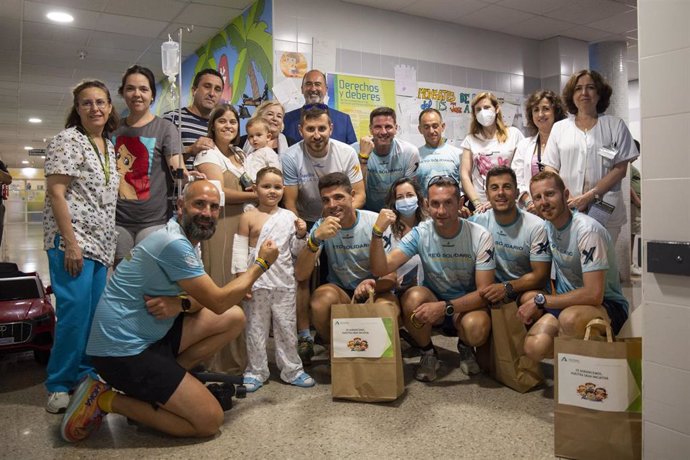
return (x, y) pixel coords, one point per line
(488, 144)
(405, 199)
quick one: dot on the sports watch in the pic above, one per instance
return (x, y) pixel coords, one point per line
(450, 309)
(510, 292)
(186, 304)
(540, 301)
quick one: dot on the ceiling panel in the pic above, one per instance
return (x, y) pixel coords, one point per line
(36, 12)
(494, 17)
(207, 15)
(588, 11)
(133, 26)
(444, 10)
(119, 41)
(618, 24)
(93, 5)
(534, 6)
(160, 10)
(538, 28)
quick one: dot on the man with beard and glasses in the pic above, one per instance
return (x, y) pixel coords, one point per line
(160, 315)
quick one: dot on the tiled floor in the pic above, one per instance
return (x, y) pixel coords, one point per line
(454, 417)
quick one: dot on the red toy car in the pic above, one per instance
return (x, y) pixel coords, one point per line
(27, 317)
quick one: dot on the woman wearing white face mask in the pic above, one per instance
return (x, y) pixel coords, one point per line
(489, 143)
(405, 199)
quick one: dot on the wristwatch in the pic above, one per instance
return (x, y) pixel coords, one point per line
(450, 309)
(186, 304)
(540, 301)
(510, 292)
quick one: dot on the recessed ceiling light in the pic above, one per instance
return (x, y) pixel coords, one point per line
(27, 147)
(25, 162)
(60, 16)
(35, 120)
(43, 157)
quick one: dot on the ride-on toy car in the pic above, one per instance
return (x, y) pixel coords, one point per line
(27, 316)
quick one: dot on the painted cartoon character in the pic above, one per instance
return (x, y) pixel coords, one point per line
(125, 164)
(600, 394)
(293, 65)
(134, 156)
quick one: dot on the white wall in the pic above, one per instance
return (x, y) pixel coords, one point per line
(664, 44)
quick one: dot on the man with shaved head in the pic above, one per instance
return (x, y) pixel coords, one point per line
(160, 315)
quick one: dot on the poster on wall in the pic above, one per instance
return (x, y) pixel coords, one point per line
(358, 96)
(292, 64)
(242, 52)
(453, 102)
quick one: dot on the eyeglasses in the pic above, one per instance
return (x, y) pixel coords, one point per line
(100, 104)
(316, 105)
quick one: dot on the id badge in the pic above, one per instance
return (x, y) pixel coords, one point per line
(601, 211)
(607, 154)
(109, 196)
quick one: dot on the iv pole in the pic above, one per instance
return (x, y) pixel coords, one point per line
(179, 172)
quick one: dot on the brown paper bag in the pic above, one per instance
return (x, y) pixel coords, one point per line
(598, 397)
(509, 364)
(366, 363)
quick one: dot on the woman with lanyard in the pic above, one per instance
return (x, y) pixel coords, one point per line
(591, 151)
(147, 149)
(224, 165)
(542, 109)
(79, 230)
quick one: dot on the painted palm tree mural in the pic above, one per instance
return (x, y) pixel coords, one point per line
(242, 53)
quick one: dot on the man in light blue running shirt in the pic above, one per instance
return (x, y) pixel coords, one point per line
(523, 258)
(587, 278)
(384, 157)
(458, 261)
(437, 156)
(146, 334)
(345, 234)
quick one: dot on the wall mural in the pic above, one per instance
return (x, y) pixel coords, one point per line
(242, 52)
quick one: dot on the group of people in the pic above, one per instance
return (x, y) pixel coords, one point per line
(298, 194)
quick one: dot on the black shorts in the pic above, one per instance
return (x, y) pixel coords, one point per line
(618, 315)
(153, 375)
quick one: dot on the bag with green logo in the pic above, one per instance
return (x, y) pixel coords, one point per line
(366, 363)
(598, 395)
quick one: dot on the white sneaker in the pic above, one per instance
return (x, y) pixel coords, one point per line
(635, 270)
(57, 402)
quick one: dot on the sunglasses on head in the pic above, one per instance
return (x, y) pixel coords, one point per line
(316, 105)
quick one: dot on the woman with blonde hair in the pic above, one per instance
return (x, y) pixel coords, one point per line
(273, 112)
(489, 143)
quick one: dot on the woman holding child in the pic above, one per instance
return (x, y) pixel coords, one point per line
(225, 164)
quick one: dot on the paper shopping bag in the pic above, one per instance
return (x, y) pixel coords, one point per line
(509, 364)
(366, 364)
(598, 397)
